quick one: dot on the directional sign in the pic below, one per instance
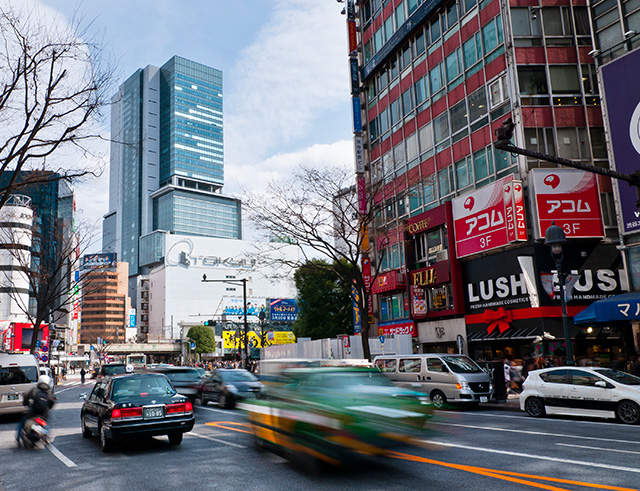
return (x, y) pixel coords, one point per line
(381, 339)
(193, 345)
(38, 343)
(92, 348)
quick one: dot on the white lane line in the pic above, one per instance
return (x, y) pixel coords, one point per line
(228, 413)
(563, 421)
(215, 440)
(538, 433)
(537, 457)
(598, 448)
(62, 457)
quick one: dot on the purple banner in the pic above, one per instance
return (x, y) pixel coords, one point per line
(620, 79)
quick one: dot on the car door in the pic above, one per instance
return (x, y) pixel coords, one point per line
(409, 370)
(554, 388)
(439, 377)
(91, 410)
(584, 394)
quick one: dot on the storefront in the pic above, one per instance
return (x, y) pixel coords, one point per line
(513, 310)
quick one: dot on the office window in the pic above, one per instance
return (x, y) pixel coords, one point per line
(405, 57)
(373, 129)
(434, 29)
(425, 137)
(384, 121)
(458, 116)
(463, 173)
(399, 13)
(435, 77)
(492, 34)
(407, 102)
(388, 28)
(377, 39)
(477, 104)
(450, 17)
(399, 158)
(418, 45)
(540, 140)
(564, 79)
(441, 127)
(382, 81)
(430, 189)
(412, 5)
(445, 181)
(589, 79)
(395, 112)
(598, 143)
(503, 160)
(482, 167)
(412, 147)
(454, 65)
(472, 49)
(532, 80)
(394, 69)
(415, 198)
(466, 5)
(421, 88)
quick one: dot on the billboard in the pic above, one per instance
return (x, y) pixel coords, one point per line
(235, 339)
(105, 260)
(283, 310)
(480, 219)
(623, 113)
(567, 197)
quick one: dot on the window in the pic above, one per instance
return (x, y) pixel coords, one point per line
(395, 112)
(387, 167)
(382, 81)
(466, 5)
(540, 140)
(498, 92)
(377, 39)
(430, 190)
(573, 143)
(373, 129)
(394, 69)
(435, 76)
(418, 45)
(445, 180)
(472, 49)
(399, 13)
(564, 79)
(405, 58)
(407, 102)
(412, 147)
(392, 307)
(463, 173)
(425, 137)
(386, 366)
(503, 160)
(492, 34)
(368, 53)
(454, 65)
(482, 167)
(436, 365)
(586, 379)
(422, 90)
(415, 198)
(450, 17)
(398, 156)
(384, 121)
(532, 80)
(477, 104)
(388, 28)
(409, 365)
(598, 143)
(458, 117)
(440, 297)
(589, 79)
(556, 376)
(441, 127)
(412, 5)
(434, 29)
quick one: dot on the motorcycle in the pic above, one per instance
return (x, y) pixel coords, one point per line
(35, 430)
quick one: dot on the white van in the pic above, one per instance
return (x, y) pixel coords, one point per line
(18, 373)
(445, 378)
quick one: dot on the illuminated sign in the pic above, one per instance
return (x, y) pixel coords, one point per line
(569, 198)
(284, 310)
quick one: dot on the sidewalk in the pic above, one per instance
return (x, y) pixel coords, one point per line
(511, 404)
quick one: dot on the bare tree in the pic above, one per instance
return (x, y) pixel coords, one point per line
(48, 255)
(318, 210)
(53, 84)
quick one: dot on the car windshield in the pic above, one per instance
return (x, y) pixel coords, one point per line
(461, 364)
(183, 375)
(126, 388)
(618, 376)
(114, 370)
(238, 376)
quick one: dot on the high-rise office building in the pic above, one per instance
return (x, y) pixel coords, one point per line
(166, 169)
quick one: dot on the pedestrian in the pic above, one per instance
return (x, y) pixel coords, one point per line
(507, 375)
(82, 374)
(64, 373)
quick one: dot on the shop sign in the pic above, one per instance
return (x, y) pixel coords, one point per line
(424, 277)
(480, 220)
(357, 320)
(397, 328)
(362, 195)
(359, 155)
(357, 115)
(353, 36)
(281, 309)
(620, 81)
(518, 201)
(418, 302)
(426, 221)
(366, 276)
(514, 211)
(355, 79)
(569, 198)
(388, 281)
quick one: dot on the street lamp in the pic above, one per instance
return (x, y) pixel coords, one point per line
(242, 281)
(554, 237)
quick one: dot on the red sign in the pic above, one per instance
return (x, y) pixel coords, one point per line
(480, 220)
(353, 37)
(362, 195)
(400, 328)
(509, 211)
(518, 201)
(418, 302)
(366, 276)
(568, 197)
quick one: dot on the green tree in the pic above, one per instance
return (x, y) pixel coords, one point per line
(204, 338)
(325, 306)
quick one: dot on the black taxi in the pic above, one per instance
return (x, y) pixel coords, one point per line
(135, 405)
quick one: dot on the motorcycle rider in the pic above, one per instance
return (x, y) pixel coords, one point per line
(39, 400)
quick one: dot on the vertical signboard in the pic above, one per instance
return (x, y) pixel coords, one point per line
(479, 219)
(359, 154)
(357, 115)
(620, 80)
(362, 194)
(518, 202)
(355, 79)
(567, 197)
(509, 211)
(357, 320)
(366, 276)
(353, 35)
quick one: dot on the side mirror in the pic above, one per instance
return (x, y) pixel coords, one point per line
(601, 383)
(83, 396)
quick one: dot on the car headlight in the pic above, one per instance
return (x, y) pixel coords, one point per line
(231, 388)
(462, 385)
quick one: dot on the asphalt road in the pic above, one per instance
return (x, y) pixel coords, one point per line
(468, 450)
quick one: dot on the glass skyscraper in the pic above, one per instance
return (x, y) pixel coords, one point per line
(167, 167)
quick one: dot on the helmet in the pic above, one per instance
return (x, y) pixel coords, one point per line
(44, 379)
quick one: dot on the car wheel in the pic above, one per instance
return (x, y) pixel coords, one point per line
(628, 412)
(438, 399)
(86, 432)
(534, 407)
(203, 399)
(225, 401)
(175, 438)
(105, 443)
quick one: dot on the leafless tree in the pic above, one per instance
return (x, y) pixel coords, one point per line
(318, 211)
(53, 84)
(50, 266)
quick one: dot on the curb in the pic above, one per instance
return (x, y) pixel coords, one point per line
(501, 406)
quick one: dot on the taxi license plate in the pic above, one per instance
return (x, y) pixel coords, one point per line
(484, 398)
(13, 397)
(153, 412)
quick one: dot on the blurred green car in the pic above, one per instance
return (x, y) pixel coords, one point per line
(334, 414)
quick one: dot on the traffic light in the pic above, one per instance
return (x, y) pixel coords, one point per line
(210, 323)
(505, 132)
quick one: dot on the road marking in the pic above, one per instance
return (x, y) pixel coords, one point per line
(62, 457)
(606, 423)
(228, 413)
(598, 448)
(537, 433)
(537, 457)
(216, 440)
(223, 425)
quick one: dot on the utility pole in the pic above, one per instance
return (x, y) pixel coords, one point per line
(505, 133)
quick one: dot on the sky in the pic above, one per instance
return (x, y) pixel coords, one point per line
(285, 77)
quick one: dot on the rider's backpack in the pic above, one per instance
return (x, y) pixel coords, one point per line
(40, 403)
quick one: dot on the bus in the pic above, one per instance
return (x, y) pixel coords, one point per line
(137, 360)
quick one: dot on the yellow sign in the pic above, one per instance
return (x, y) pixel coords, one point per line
(235, 339)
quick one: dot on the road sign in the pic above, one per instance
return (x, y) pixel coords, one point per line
(345, 341)
(37, 355)
(44, 358)
(193, 345)
(92, 348)
(381, 339)
(45, 348)
(38, 343)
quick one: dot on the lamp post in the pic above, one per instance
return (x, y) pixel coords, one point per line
(243, 282)
(554, 237)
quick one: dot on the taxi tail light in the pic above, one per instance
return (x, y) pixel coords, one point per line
(181, 408)
(126, 412)
(188, 407)
(116, 414)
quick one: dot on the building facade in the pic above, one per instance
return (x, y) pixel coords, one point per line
(105, 302)
(434, 80)
(166, 168)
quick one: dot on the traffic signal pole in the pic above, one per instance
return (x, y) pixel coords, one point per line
(505, 133)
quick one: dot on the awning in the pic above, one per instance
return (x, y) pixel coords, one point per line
(619, 308)
(512, 333)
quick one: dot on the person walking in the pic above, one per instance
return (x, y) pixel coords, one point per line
(82, 374)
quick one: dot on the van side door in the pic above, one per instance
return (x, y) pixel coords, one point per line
(410, 372)
(439, 377)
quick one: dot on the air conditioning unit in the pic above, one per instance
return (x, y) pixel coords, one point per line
(442, 255)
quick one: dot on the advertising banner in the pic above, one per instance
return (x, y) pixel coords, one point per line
(359, 155)
(418, 302)
(284, 310)
(234, 339)
(107, 260)
(518, 201)
(366, 276)
(392, 329)
(362, 195)
(567, 197)
(510, 211)
(620, 80)
(357, 320)
(357, 115)
(479, 218)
